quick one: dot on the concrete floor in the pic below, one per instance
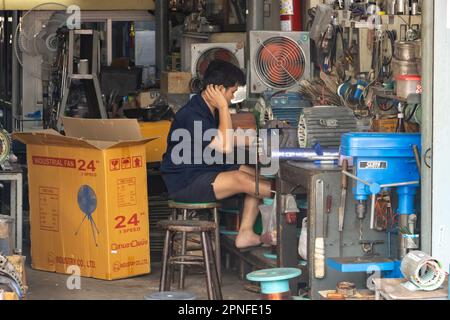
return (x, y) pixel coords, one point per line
(52, 286)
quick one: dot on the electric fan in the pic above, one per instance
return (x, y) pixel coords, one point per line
(279, 60)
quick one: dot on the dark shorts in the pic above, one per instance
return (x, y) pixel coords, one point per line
(201, 189)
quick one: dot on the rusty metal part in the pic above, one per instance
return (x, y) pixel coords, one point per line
(277, 296)
(347, 289)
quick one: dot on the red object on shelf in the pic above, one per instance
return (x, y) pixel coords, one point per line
(290, 15)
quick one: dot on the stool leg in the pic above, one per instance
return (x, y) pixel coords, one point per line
(207, 262)
(215, 274)
(162, 282)
(217, 244)
(183, 253)
(174, 214)
(170, 267)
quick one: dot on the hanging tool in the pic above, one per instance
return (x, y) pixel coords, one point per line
(342, 206)
(319, 247)
(328, 212)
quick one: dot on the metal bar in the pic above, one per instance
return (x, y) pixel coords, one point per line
(355, 177)
(14, 211)
(255, 20)
(417, 156)
(319, 245)
(162, 34)
(372, 212)
(70, 59)
(19, 214)
(15, 99)
(427, 120)
(400, 184)
(109, 37)
(98, 93)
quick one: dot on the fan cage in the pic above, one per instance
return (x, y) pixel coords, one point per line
(280, 62)
(214, 54)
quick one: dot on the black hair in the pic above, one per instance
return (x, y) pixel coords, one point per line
(224, 73)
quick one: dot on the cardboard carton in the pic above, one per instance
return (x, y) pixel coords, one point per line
(175, 82)
(88, 199)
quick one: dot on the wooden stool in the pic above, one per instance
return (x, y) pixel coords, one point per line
(205, 228)
(185, 208)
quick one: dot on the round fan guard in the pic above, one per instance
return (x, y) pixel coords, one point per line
(280, 62)
(214, 54)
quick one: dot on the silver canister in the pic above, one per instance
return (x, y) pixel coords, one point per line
(400, 7)
(390, 7)
(83, 66)
(415, 8)
(405, 50)
(400, 67)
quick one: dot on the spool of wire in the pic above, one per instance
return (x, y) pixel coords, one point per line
(274, 282)
(423, 271)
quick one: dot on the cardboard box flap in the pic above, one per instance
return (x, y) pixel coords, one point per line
(103, 145)
(51, 138)
(103, 129)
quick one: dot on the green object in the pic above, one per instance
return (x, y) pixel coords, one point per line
(257, 227)
(229, 211)
(389, 85)
(270, 255)
(198, 204)
(268, 201)
(228, 233)
(274, 280)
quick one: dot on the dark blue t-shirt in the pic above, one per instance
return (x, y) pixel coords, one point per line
(194, 120)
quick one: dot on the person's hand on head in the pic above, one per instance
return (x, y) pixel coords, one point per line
(216, 97)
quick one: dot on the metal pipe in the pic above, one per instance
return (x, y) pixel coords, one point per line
(255, 20)
(348, 174)
(15, 98)
(305, 154)
(427, 120)
(162, 35)
(372, 212)
(417, 156)
(403, 223)
(400, 184)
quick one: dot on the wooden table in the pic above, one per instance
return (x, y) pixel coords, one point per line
(391, 289)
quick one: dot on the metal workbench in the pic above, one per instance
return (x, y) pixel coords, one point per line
(302, 178)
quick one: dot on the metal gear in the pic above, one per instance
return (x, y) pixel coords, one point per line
(5, 146)
(7, 270)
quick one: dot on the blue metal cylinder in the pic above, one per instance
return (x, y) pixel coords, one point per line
(406, 197)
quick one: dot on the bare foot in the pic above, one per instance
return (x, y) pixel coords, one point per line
(246, 239)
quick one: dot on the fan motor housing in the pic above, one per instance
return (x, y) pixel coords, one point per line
(279, 60)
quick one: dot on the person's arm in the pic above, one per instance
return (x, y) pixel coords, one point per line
(224, 142)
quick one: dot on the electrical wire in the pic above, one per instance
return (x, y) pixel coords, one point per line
(412, 113)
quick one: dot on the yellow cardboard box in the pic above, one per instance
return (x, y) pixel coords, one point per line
(157, 148)
(88, 199)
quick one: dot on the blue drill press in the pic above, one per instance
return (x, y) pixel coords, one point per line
(381, 162)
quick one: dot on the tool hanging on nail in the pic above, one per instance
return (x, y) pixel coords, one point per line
(341, 216)
(328, 212)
